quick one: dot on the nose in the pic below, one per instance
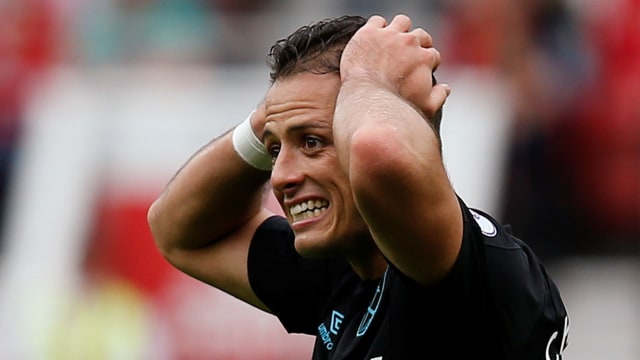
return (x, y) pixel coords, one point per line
(286, 174)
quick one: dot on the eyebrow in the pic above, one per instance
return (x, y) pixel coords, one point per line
(297, 128)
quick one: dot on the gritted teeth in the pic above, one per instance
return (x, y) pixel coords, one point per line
(308, 208)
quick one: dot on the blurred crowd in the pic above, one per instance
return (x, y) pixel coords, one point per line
(574, 174)
(27, 47)
(572, 181)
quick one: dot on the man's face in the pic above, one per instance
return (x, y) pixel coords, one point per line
(307, 179)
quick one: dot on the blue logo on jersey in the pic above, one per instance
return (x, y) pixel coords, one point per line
(334, 328)
(373, 307)
(336, 322)
(325, 336)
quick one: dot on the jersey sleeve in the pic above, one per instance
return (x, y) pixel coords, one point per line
(294, 288)
(528, 305)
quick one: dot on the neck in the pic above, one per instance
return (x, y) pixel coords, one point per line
(369, 265)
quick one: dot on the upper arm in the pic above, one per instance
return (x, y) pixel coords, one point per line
(404, 194)
(205, 219)
(223, 263)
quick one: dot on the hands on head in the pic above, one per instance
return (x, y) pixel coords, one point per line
(397, 57)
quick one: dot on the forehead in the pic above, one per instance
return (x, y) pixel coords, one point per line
(302, 95)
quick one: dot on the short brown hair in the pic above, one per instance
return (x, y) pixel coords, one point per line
(317, 48)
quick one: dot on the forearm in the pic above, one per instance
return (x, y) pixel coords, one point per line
(214, 193)
(393, 161)
(370, 116)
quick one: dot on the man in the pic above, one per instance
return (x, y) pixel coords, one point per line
(377, 257)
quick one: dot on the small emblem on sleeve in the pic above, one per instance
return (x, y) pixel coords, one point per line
(486, 226)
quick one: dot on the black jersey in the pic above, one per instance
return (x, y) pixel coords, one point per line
(496, 303)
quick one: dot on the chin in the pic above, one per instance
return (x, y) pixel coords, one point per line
(313, 248)
(317, 248)
(307, 249)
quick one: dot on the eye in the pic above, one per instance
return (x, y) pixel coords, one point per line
(312, 142)
(273, 150)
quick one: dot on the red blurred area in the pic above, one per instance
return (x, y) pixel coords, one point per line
(573, 181)
(191, 320)
(122, 247)
(28, 44)
(605, 137)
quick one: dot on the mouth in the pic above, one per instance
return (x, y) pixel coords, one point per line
(308, 209)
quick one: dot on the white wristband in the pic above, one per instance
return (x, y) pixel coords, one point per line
(249, 147)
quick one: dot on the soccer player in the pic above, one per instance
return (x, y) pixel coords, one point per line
(377, 255)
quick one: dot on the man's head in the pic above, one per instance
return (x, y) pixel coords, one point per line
(317, 48)
(299, 107)
(307, 178)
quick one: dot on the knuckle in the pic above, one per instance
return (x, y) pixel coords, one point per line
(402, 17)
(432, 56)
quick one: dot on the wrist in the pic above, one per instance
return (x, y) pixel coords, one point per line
(249, 147)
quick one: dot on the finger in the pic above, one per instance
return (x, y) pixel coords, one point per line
(424, 37)
(401, 23)
(437, 98)
(377, 21)
(432, 57)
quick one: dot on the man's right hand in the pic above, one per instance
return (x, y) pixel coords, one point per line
(397, 58)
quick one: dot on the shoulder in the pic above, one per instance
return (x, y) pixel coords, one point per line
(294, 288)
(511, 264)
(527, 300)
(274, 224)
(273, 237)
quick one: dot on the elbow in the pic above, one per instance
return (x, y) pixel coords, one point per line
(376, 156)
(385, 160)
(372, 144)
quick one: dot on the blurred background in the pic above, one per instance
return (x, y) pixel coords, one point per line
(101, 101)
